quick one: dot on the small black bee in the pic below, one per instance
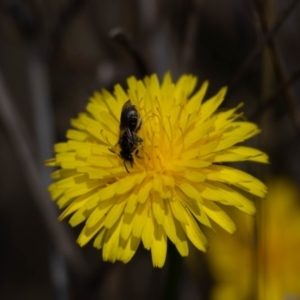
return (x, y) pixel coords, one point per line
(130, 124)
(128, 146)
(130, 118)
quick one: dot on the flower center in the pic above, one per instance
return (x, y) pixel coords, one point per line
(157, 133)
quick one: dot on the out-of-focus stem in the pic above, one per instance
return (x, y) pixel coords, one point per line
(21, 144)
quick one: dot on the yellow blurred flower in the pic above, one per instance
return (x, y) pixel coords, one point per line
(175, 181)
(266, 265)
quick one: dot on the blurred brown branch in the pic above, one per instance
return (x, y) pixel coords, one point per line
(254, 53)
(120, 36)
(270, 101)
(279, 66)
(191, 35)
(21, 143)
(25, 15)
(68, 13)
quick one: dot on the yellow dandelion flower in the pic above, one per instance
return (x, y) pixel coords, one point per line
(174, 181)
(269, 256)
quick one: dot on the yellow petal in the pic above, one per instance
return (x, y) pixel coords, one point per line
(194, 233)
(159, 246)
(158, 208)
(99, 240)
(111, 243)
(128, 248)
(195, 102)
(210, 106)
(88, 233)
(127, 223)
(140, 219)
(148, 231)
(115, 212)
(76, 135)
(218, 215)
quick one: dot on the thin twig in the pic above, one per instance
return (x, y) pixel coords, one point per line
(25, 15)
(279, 67)
(20, 142)
(247, 63)
(88, 289)
(65, 17)
(44, 137)
(191, 35)
(270, 101)
(120, 36)
(175, 269)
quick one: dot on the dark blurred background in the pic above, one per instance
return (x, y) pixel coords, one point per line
(55, 53)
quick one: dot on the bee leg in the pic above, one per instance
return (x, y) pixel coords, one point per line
(126, 166)
(136, 154)
(111, 150)
(144, 152)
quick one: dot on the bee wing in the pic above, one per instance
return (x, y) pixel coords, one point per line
(139, 124)
(130, 135)
(124, 112)
(122, 132)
